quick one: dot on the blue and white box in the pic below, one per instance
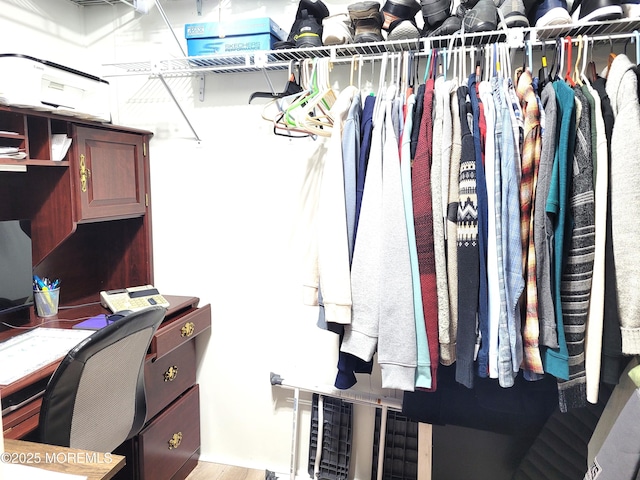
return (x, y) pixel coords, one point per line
(238, 36)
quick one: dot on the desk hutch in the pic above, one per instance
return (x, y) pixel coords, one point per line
(91, 227)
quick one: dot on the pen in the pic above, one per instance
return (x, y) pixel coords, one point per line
(42, 286)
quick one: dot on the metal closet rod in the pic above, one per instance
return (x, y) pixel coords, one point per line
(591, 38)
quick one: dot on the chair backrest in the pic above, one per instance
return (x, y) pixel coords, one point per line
(95, 400)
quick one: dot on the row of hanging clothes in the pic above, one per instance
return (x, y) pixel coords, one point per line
(482, 218)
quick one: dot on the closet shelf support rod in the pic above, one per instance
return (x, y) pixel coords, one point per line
(164, 82)
(363, 398)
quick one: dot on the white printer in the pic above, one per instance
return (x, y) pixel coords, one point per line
(42, 85)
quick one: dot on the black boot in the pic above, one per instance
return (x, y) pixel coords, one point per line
(307, 9)
(315, 8)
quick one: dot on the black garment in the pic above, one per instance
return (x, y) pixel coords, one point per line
(417, 116)
(521, 409)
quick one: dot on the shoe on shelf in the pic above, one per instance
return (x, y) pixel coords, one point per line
(367, 21)
(483, 17)
(513, 13)
(450, 26)
(309, 8)
(337, 29)
(435, 12)
(630, 8)
(399, 10)
(549, 13)
(308, 32)
(403, 30)
(315, 8)
(597, 10)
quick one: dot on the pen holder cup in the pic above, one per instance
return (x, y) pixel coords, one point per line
(47, 302)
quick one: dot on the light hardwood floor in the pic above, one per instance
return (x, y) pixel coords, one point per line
(217, 471)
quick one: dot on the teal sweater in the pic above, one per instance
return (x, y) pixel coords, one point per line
(556, 360)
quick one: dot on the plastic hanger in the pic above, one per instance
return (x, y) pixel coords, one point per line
(291, 87)
(592, 72)
(554, 70)
(560, 70)
(354, 67)
(583, 67)
(577, 78)
(569, 60)
(310, 112)
(317, 117)
(427, 67)
(543, 74)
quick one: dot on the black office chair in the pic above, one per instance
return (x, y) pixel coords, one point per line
(96, 400)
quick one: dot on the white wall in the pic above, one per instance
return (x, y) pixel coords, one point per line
(228, 227)
(228, 217)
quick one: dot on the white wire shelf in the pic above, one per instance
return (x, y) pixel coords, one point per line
(239, 62)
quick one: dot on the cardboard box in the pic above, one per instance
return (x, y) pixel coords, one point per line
(237, 36)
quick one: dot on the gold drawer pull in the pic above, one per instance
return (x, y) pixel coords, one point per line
(85, 173)
(188, 329)
(171, 373)
(175, 441)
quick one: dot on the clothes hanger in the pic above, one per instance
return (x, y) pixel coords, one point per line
(506, 62)
(488, 63)
(569, 60)
(381, 95)
(427, 67)
(543, 74)
(354, 67)
(310, 112)
(560, 70)
(610, 58)
(291, 87)
(592, 72)
(577, 77)
(317, 118)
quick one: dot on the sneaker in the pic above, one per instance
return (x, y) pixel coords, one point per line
(597, 10)
(513, 13)
(337, 30)
(399, 10)
(630, 8)
(435, 12)
(367, 21)
(450, 26)
(315, 8)
(309, 32)
(481, 18)
(550, 13)
(403, 30)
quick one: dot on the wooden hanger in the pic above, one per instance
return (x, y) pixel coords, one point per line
(610, 58)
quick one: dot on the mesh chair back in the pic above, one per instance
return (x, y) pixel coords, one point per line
(95, 400)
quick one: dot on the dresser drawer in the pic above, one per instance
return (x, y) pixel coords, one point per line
(171, 439)
(167, 377)
(180, 330)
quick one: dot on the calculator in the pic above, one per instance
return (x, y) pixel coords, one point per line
(132, 298)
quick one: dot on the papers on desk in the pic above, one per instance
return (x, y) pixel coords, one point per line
(35, 349)
(60, 143)
(12, 152)
(25, 472)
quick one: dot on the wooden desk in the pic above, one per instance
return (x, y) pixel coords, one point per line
(93, 465)
(168, 447)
